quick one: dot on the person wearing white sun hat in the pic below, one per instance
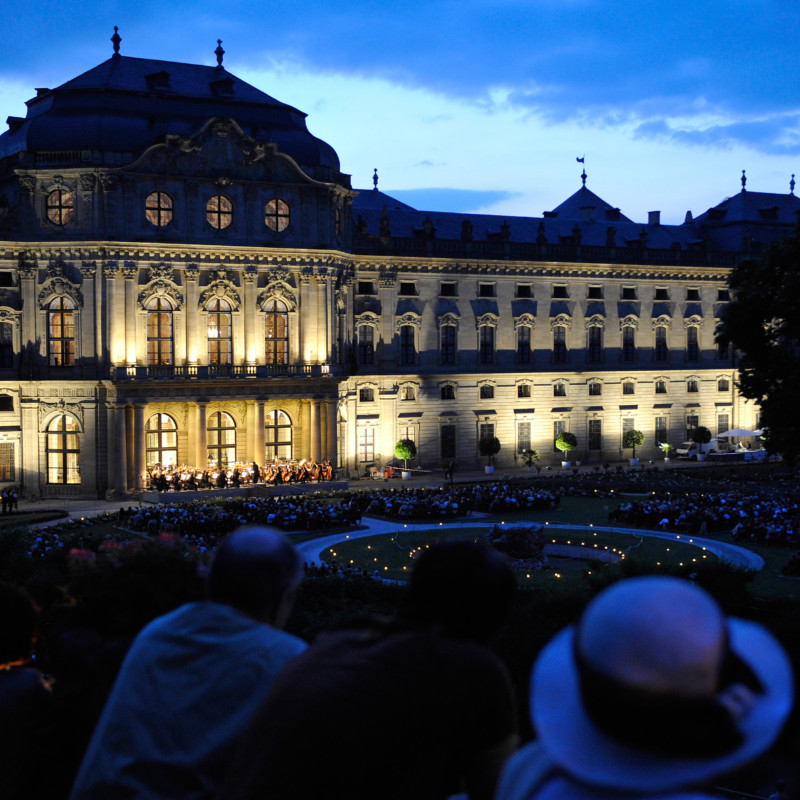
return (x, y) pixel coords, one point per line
(652, 694)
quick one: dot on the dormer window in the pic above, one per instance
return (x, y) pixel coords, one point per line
(158, 209)
(276, 215)
(60, 207)
(219, 212)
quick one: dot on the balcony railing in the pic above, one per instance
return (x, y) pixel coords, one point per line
(219, 371)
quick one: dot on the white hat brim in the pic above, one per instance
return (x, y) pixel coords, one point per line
(573, 741)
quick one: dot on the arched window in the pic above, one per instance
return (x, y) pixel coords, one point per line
(366, 344)
(276, 215)
(219, 212)
(161, 441)
(220, 332)
(560, 344)
(277, 339)
(278, 435)
(159, 332)
(63, 450)
(158, 209)
(661, 349)
(221, 438)
(692, 344)
(60, 207)
(61, 332)
(408, 348)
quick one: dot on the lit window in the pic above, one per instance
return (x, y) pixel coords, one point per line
(276, 215)
(61, 332)
(219, 212)
(158, 209)
(159, 332)
(60, 207)
(278, 436)
(161, 438)
(221, 439)
(277, 333)
(220, 332)
(408, 393)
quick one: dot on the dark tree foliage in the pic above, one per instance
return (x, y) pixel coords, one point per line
(762, 322)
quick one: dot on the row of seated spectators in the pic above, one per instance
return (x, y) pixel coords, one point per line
(766, 517)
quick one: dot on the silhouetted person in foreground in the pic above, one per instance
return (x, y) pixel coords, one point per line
(654, 693)
(413, 707)
(194, 677)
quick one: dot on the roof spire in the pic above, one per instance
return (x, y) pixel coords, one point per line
(584, 176)
(744, 182)
(791, 185)
(375, 179)
(115, 40)
(219, 52)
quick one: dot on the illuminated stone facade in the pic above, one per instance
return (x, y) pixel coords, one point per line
(186, 274)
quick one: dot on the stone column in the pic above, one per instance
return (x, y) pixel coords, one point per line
(316, 433)
(303, 446)
(306, 341)
(250, 313)
(129, 446)
(330, 448)
(194, 354)
(130, 270)
(121, 482)
(88, 340)
(28, 272)
(259, 438)
(139, 454)
(202, 436)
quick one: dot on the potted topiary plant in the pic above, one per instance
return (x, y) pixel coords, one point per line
(405, 449)
(700, 436)
(565, 443)
(530, 457)
(633, 439)
(666, 448)
(489, 446)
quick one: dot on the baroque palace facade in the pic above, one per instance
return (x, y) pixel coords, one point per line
(186, 276)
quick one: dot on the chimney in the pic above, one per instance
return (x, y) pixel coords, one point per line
(653, 217)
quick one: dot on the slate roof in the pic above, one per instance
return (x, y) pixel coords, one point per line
(125, 105)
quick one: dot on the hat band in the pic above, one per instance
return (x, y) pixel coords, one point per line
(667, 722)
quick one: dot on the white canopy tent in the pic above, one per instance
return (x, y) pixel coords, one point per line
(737, 432)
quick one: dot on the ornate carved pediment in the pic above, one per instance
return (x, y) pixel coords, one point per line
(487, 319)
(58, 287)
(525, 321)
(56, 269)
(8, 314)
(407, 319)
(61, 407)
(449, 319)
(368, 319)
(662, 322)
(387, 276)
(279, 274)
(562, 320)
(163, 289)
(631, 321)
(27, 264)
(596, 321)
(277, 292)
(159, 272)
(693, 322)
(221, 290)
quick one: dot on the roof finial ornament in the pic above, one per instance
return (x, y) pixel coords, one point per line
(219, 52)
(584, 176)
(744, 182)
(375, 179)
(115, 40)
(791, 185)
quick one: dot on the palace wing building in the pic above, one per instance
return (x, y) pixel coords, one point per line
(187, 277)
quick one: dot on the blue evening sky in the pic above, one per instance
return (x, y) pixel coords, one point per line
(481, 105)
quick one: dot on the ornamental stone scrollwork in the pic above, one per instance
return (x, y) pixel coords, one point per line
(487, 319)
(161, 288)
(107, 182)
(87, 183)
(277, 292)
(596, 321)
(631, 321)
(88, 269)
(56, 269)
(387, 276)
(693, 322)
(27, 183)
(449, 319)
(370, 319)
(192, 272)
(525, 321)
(250, 274)
(561, 321)
(58, 287)
(221, 274)
(130, 270)
(407, 319)
(278, 274)
(306, 274)
(662, 322)
(9, 315)
(27, 264)
(61, 407)
(221, 290)
(161, 272)
(110, 269)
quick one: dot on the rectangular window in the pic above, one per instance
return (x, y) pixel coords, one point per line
(486, 290)
(524, 290)
(692, 345)
(723, 295)
(408, 350)
(723, 351)
(7, 461)
(628, 387)
(486, 351)
(366, 394)
(661, 433)
(723, 423)
(627, 425)
(6, 345)
(723, 385)
(560, 292)
(408, 432)
(559, 390)
(595, 389)
(523, 345)
(486, 430)
(366, 444)
(595, 293)
(628, 293)
(366, 344)
(447, 441)
(595, 434)
(487, 391)
(662, 293)
(408, 288)
(692, 386)
(559, 426)
(448, 289)
(661, 387)
(693, 295)
(408, 393)
(523, 436)
(661, 349)
(365, 287)
(692, 421)
(448, 392)
(524, 390)
(594, 348)
(560, 344)
(447, 351)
